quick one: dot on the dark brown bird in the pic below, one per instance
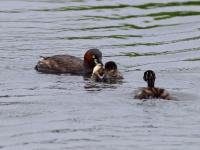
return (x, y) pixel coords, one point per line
(151, 92)
(59, 64)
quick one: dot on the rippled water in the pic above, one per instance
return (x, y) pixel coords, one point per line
(41, 112)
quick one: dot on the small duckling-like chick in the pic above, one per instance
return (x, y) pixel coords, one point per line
(111, 72)
(151, 92)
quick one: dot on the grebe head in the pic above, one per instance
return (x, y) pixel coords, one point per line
(110, 65)
(149, 77)
(112, 74)
(93, 57)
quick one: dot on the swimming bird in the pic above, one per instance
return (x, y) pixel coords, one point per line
(59, 64)
(151, 92)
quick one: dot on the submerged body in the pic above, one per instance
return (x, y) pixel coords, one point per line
(151, 92)
(58, 64)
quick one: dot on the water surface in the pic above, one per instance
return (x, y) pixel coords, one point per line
(40, 112)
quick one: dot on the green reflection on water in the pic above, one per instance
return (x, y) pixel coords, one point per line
(120, 5)
(193, 59)
(156, 16)
(101, 37)
(158, 43)
(166, 15)
(84, 7)
(124, 27)
(170, 4)
(137, 54)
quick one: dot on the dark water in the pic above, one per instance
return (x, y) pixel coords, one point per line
(52, 112)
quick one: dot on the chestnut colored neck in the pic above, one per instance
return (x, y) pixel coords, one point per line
(88, 68)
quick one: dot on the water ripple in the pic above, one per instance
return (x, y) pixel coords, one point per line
(121, 6)
(40, 111)
(173, 4)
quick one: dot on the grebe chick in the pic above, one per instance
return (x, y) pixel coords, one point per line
(59, 64)
(111, 72)
(151, 92)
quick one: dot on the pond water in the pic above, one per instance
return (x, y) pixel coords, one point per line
(48, 112)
